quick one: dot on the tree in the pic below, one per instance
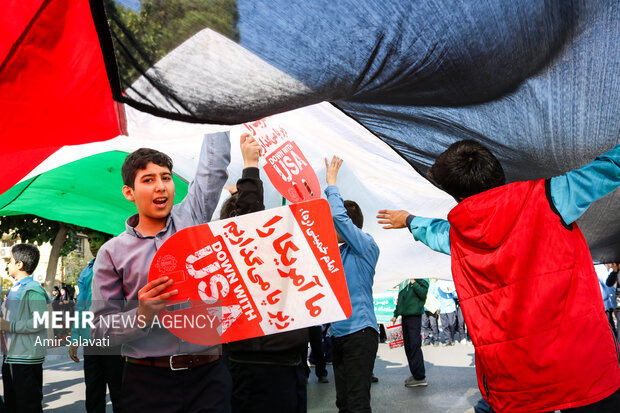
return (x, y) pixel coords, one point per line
(37, 230)
(73, 264)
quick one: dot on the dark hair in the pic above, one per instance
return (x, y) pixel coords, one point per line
(27, 254)
(138, 160)
(354, 212)
(229, 207)
(467, 168)
(105, 235)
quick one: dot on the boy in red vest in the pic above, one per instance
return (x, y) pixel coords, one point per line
(525, 280)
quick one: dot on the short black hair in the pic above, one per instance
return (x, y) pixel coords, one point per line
(467, 168)
(104, 235)
(138, 160)
(27, 254)
(229, 207)
(354, 212)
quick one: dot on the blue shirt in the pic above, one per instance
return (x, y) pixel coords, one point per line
(609, 293)
(572, 194)
(83, 301)
(359, 257)
(446, 300)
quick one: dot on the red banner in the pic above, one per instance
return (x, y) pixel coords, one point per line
(258, 274)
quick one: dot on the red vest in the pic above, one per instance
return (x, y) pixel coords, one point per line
(532, 302)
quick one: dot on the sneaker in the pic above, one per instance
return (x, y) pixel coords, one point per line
(436, 344)
(323, 379)
(426, 343)
(374, 379)
(416, 383)
(463, 341)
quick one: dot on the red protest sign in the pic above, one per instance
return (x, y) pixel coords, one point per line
(394, 335)
(257, 274)
(285, 165)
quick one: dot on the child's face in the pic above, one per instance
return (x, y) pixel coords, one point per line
(95, 241)
(153, 192)
(12, 268)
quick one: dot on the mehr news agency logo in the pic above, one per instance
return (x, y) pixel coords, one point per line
(85, 319)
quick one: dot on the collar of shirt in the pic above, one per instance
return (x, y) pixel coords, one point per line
(132, 222)
(17, 286)
(23, 280)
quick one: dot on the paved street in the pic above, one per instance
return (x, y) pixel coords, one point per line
(449, 370)
(450, 374)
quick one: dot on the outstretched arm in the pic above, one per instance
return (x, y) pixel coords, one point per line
(574, 192)
(433, 232)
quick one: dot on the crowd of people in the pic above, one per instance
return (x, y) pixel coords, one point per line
(521, 267)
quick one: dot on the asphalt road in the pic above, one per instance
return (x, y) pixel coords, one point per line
(449, 370)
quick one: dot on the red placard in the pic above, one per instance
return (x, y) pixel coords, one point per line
(394, 335)
(257, 274)
(285, 165)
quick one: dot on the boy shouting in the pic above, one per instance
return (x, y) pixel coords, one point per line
(162, 373)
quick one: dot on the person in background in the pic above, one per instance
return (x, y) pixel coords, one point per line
(410, 306)
(22, 370)
(67, 306)
(268, 373)
(317, 356)
(612, 281)
(103, 367)
(356, 339)
(460, 322)
(609, 293)
(444, 292)
(430, 318)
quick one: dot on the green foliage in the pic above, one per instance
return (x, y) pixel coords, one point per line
(7, 283)
(73, 264)
(141, 39)
(37, 230)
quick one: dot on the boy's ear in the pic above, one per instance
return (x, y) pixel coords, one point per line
(128, 193)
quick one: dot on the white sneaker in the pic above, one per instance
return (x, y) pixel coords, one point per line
(416, 383)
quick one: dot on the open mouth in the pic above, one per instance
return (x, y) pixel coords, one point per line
(160, 202)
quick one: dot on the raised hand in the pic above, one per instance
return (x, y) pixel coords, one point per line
(332, 170)
(250, 150)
